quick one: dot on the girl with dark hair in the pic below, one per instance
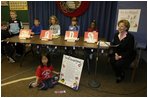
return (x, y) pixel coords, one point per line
(92, 27)
(44, 75)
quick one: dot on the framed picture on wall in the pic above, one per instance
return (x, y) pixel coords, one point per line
(18, 5)
(4, 3)
(132, 15)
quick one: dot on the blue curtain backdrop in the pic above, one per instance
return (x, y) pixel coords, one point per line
(103, 12)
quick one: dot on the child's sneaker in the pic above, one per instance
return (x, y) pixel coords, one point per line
(55, 80)
(32, 84)
(18, 55)
(11, 60)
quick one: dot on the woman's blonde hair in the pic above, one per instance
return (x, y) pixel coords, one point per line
(56, 19)
(126, 23)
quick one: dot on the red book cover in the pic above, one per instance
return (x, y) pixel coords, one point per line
(46, 34)
(71, 35)
(91, 37)
(24, 33)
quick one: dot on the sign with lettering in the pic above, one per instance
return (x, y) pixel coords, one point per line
(73, 8)
(132, 15)
(18, 5)
(71, 71)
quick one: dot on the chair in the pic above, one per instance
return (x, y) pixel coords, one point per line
(134, 66)
(135, 63)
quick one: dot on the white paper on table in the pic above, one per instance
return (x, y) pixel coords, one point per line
(104, 44)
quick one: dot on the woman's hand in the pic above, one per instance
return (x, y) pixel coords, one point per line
(117, 57)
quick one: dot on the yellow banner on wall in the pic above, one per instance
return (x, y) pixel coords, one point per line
(18, 5)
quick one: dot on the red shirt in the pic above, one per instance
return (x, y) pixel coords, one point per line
(44, 72)
(91, 30)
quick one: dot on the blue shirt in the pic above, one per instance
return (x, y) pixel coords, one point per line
(15, 26)
(36, 29)
(74, 28)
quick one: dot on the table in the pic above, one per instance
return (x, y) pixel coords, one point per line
(58, 42)
(61, 42)
(55, 42)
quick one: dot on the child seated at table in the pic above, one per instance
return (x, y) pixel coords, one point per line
(89, 52)
(54, 25)
(36, 28)
(44, 75)
(74, 25)
(92, 27)
(7, 48)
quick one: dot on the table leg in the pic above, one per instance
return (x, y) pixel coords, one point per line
(24, 54)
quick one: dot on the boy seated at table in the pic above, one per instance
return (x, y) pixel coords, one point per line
(37, 27)
(36, 30)
(73, 27)
(7, 48)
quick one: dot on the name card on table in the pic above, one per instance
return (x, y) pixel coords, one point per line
(46, 35)
(91, 37)
(24, 34)
(71, 36)
(71, 71)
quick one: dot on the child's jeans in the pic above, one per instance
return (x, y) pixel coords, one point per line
(49, 83)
